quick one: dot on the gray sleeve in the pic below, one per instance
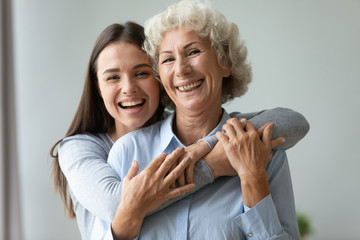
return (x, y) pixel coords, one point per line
(287, 123)
(92, 181)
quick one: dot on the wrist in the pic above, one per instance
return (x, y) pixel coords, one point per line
(254, 189)
(126, 223)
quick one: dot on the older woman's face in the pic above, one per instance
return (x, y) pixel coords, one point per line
(190, 71)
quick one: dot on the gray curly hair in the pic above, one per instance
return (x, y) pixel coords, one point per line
(207, 22)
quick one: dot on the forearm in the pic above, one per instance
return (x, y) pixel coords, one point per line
(91, 180)
(275, 215)
(287, 123)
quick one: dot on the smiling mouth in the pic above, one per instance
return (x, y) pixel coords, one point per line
(190, 87)
(132, 104)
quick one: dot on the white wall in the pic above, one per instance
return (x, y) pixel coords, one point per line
(305, 56)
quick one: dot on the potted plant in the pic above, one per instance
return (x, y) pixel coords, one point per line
(304, 224)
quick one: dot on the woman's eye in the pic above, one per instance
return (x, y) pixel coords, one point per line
(193, 52)
(167, 60)
(113, 78)
(142, 74)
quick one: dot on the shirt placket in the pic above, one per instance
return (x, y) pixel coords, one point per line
(182, 218)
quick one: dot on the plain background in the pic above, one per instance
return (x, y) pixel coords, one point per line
(305, 56)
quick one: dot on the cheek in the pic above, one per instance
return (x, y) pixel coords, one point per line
(108, 94)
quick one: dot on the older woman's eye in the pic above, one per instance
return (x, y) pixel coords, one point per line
(167, 60)
(193, 52)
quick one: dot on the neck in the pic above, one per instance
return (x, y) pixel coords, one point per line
(116, 132)
(189, 126)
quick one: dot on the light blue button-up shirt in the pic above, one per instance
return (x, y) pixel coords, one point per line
(215, 211)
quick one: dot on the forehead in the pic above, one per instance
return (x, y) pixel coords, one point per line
(121, 54)
(180, 37)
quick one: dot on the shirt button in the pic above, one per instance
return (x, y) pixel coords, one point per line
(250, 235)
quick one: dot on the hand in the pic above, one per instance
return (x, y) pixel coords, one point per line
(249, 155)
(144, 192)
(195, 152)
(218, 162)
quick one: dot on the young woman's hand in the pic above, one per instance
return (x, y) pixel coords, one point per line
(144, 192)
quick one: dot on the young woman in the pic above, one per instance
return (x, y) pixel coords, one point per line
(121, 95)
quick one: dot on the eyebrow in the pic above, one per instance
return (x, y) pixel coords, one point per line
(112, 70)
(142, 65)
(185, 47)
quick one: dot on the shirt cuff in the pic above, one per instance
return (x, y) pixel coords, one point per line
(260, 221)
(203, 174)
(210, 140)
(109, 236)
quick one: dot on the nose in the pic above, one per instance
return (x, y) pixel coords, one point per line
(182, 68)
(129, 85)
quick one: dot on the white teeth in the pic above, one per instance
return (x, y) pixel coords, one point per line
(190, 87)
(132, 103)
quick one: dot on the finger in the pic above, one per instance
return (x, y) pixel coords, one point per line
(228, 128)
(173, 185)
(239, 125)
(133, 170)
(266, 139)
(222, 137)
(261, 129)
(170, 160)
(181, 178)
(190, 173)
(250, 127)
(179, 191)
(277, 142)
(174, 174)
(156, 163)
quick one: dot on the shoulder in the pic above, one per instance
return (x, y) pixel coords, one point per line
(85, 142)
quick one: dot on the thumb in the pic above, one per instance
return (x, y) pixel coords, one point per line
(133, 170)
(267, 135)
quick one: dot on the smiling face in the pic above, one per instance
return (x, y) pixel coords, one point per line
(127, 85)
(190, 72)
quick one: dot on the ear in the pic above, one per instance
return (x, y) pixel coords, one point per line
(226, 71)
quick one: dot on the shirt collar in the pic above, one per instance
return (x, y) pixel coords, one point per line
(167, 134)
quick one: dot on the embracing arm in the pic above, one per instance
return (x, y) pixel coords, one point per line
(288, 124)
(92, 181)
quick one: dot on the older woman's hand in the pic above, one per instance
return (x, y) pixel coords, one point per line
(248, 154)
(144, 192)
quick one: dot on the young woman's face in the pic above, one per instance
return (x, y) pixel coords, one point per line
(127, 85)
(189, 71)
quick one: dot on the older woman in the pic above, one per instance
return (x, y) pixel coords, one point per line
(202, 64)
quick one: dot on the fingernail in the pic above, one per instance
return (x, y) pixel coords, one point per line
(243, 120)
(133, 162)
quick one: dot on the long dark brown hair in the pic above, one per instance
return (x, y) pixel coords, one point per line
(91, 115)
